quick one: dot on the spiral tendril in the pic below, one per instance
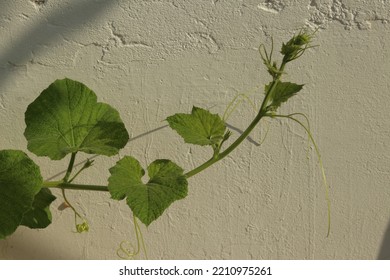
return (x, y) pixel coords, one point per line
(127, 251)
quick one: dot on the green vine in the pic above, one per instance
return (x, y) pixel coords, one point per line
(66, 118)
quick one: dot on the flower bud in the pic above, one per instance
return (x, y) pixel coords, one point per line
(296, 46)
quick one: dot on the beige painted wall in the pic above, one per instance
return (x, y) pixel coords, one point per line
(150, 59)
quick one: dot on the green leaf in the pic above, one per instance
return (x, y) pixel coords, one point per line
(147, 201)
(282, 92)
(200, 127)
(20, 181)
(39, 216)
(67, 118)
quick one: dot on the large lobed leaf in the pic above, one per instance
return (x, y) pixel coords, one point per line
(200, 127)
(147, 201)
(20, 182)
(67, 118)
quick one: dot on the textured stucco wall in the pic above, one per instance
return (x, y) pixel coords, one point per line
(150, 59)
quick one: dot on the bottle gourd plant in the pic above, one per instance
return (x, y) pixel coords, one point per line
(66, 119)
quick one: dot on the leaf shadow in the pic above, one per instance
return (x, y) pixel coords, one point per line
(248, 138)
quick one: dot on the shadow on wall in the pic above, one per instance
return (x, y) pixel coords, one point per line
(62, 21)
(22, 248)
(65, 20)
(384, 253)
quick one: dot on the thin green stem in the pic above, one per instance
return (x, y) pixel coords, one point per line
(201, 167)
(229, 111)
(265, 136)
(70, 205)
(248, 130)
(308, 127)
(86, 165)
(52, 184)
(65, 184)
(79, 227)
(326, 186)
(268, 96)
(70, 167)
(131, 252)
(140, 237)
(68, 186)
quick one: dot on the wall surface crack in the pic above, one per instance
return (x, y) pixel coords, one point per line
(323, 12)
(272, 6)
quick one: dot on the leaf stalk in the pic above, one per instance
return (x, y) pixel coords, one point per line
(69, 186)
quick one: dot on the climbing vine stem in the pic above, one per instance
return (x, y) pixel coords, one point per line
(252, 125)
